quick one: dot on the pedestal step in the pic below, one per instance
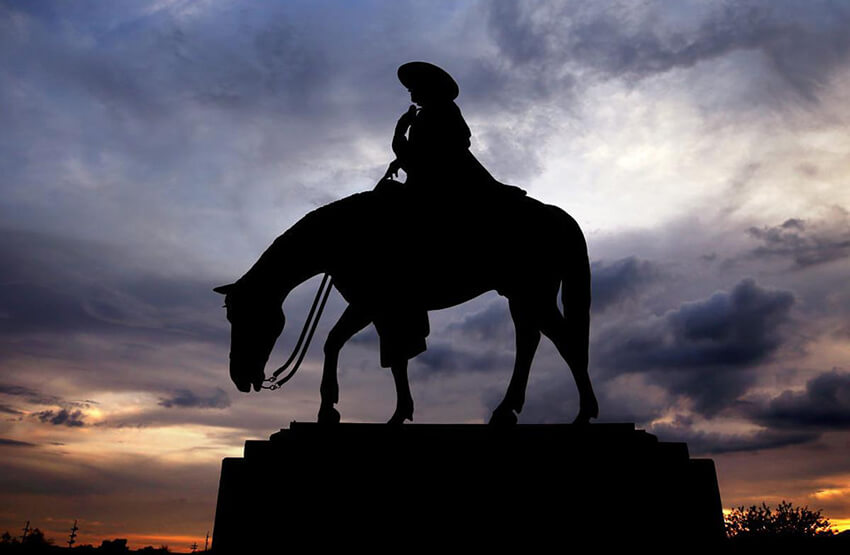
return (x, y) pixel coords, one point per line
(461, 487)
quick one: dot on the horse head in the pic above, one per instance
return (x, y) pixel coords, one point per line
(256, 323)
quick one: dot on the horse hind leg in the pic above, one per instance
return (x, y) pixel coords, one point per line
(571, 340)
(527, 340)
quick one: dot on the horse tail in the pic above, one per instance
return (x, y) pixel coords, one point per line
(575, 295)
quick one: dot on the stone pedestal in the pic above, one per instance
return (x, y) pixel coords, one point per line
(465, 488)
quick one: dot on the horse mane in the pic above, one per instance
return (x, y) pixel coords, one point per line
(357, 206)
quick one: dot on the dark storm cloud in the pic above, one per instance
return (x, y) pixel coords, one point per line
(368, 336)
(61, 285)
(184, 398)
(620, 280)
(735, 328)
(20, 391)
(824, 405)
(62, 417)
(15, 443)
(492, 323)
(710, 443)
(612, 283)
(805, 244)
(444, 358)
(36, 397)
(9, 410)
(704, 349)
(803, 43)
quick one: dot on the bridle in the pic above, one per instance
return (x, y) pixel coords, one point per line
(311, 323)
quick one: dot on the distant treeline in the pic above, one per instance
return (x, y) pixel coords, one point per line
(35, 543)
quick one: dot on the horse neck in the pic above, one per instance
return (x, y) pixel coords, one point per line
(292, 258)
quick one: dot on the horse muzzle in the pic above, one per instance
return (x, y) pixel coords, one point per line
(244, 379)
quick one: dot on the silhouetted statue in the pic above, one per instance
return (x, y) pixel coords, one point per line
(431, 143)
(447, 235)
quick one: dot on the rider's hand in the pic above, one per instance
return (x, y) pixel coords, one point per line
(405, 120)
(393, 168)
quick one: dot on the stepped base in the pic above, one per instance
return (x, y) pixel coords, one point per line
(434, 487)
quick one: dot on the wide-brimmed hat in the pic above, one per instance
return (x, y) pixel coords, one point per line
(428, 79)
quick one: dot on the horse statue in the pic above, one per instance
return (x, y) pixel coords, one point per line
(393, 256)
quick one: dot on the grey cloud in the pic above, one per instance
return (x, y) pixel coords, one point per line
(62, 285)
(32, 307)
(492, 323)
(710, 443)
(704, 349)
(614, 282)
(184, 398)
(132, 106)
(9, 410)
(369, 336)
(735, 328)
(18, 391)
(15, 443)
(145, 64)
(806, 244)
(444, 358)
(803, 44)
(37, 398)
(60, 292)
(551, 400)
(824, 405)
(115, 475)
(63, 417)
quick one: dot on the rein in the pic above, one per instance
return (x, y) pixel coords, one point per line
(311, 323)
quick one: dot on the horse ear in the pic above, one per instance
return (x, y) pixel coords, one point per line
(225, 289)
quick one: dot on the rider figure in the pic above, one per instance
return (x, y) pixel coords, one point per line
(431, 143)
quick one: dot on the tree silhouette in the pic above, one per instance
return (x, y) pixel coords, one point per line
(785, 522)
(35, 539)
(117, 546)
(153, 550)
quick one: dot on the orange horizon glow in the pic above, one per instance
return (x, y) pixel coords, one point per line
(179, 542)
(175, 542)
(840, 524)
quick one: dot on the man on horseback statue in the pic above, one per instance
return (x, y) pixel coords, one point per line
(451, 232)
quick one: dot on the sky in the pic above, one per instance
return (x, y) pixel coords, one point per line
(151, 151)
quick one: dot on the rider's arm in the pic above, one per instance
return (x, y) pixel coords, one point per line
(401, 148)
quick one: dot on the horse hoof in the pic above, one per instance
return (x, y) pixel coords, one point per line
(503, 417)
(581, 419)
(328, 415)
(399, 417)
(397, 420)
(584, 417)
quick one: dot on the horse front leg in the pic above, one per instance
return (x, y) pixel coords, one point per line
(352, 321)
(527, 340)
(404, 400)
